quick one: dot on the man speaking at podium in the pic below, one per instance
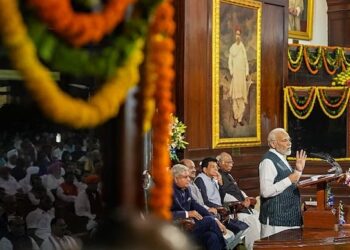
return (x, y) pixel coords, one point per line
(280, 198)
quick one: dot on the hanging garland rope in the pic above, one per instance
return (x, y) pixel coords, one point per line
(161, 59)
(77, 61)
(303, 112)
(331, 62)
(80, 28)
(312, 61)
(303, 108)
(308, 62)
(294, 65)
(333, 114)
(56, 104)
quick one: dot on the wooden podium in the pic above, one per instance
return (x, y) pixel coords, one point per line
(322, 216)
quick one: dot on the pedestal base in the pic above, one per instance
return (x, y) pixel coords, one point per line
(324, 219)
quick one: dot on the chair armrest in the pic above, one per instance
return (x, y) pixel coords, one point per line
(186, 225)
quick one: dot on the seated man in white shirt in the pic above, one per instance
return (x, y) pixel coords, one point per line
(38, 221)
(280, 207)
(230, 191)
(8, 182)
(17, 237)
(59, 238)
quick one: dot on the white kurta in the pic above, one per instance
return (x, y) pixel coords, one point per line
(294, 20)
(239, 70)
(267, 174)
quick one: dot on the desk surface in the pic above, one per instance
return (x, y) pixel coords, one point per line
(307, 239)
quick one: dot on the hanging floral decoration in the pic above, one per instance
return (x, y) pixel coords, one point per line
(177, 135)
(301, 100)
(313, 62)
(77, 61)
(316, 57)
(80, 28)
(295, 64)
(56, 104)
(161, 59)
(342, 79)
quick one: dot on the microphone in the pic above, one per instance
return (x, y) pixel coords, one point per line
(319, 155)
(335, 165)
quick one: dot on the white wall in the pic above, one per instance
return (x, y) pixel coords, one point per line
(320, 25)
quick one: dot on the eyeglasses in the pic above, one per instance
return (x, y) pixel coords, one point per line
(183, 176)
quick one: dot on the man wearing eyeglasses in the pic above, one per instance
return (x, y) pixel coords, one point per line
(207, 231)
(229, 191)
(280, 198)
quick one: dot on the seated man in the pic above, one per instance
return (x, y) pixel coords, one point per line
(230, 191)
(195, 192)
(209, 187)
(207, 231)
(60, 238)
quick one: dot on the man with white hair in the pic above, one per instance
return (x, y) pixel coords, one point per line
(280, 198)
(207, 231)
(230, 191)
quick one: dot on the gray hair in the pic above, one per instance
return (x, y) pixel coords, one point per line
(178, 169)
(222, 156)
(272, 135)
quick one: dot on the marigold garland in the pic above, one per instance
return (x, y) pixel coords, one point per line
(333, 114)
(327, 103)
(303, 112)
(340, 59)
(307, 62)
(293, 110)
(161, 59)
(310, 98)
(80, 28)
(55, 103)
(77, 61)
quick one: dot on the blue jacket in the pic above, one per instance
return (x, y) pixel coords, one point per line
(183, 201)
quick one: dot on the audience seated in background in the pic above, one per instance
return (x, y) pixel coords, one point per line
(54, 176)
(68, 191)
(38, 191)
(9, 183)
(38, 221)
(12, 157)
(26, 181)
(88, 202)
(60, 238)
(207, 231)
(230, 191)
(17, 238)
(8, 208)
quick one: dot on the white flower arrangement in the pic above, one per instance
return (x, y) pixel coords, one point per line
(177, 138)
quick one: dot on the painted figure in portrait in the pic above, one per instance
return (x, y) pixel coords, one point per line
(238, 63)
(296, 11)
(239, 71)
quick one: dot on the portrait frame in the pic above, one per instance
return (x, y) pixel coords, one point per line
(306, 23)
(227, 130)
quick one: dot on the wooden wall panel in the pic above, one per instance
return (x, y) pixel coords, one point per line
(197, 91)
(338, 23)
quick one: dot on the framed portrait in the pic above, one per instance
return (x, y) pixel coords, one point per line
(236, 56)
(300, 19)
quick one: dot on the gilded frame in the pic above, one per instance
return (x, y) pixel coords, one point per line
(228, 17)
(306, 21)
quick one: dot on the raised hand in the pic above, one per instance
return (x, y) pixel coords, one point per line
(300, 160)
